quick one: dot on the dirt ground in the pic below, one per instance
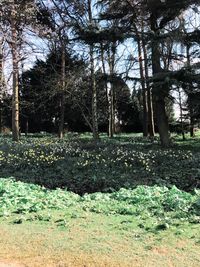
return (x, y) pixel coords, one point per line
(4, 264)
(156, 258)
(35, 246)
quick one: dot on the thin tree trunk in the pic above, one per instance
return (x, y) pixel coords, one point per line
(111, 112)
(159, 92)
(149, 93)
(106, 83)
(62, 95)
(112, 92)
(15, 94)
(93, 82)
(144, 92)
(1, 82)
(181, 113)
(189, 96)
(150, 111)
(94, 96)
(85, 117)
(192, 127)
(26, 127)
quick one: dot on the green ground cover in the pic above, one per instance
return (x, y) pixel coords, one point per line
(164, 206)
(80, 165)
(138, 204)
(146, 226)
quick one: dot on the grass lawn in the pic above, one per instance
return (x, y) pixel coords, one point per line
(98, 240)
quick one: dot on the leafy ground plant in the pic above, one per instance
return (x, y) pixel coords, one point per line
(144, 201)
(82, 166)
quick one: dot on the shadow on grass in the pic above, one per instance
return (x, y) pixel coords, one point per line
(84, 166)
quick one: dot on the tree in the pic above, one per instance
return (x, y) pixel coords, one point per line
(157, 16)
(1, 80)
(14, 17)
(58, 24)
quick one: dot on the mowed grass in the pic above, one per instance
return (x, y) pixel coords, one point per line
(98, 240)
(142, 216)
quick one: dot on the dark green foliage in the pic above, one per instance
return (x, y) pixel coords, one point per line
(40, 97)
(84, 166)
(40, 93)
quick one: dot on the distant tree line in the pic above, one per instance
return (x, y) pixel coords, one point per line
(109, 66)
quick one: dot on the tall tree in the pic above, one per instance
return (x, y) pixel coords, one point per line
(51, 16)
(157, 15)
(151, 126)
(15, 62)
(93, 79)
(16, 14)
(1, 80)
(144, 88)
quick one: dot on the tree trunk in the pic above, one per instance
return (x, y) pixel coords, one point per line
(151, 126)
(111, 112)
(162, 121)
(62, 94)
(159, 92)
(15, 93)
(192, 127)
(181, 113)
(93, 81)
(26, 127)
(1, 82)
(191, 114)
(112, 92)
(106, 83)
(150, 112)
(94, 96)
(189, 96)
(144, 92)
